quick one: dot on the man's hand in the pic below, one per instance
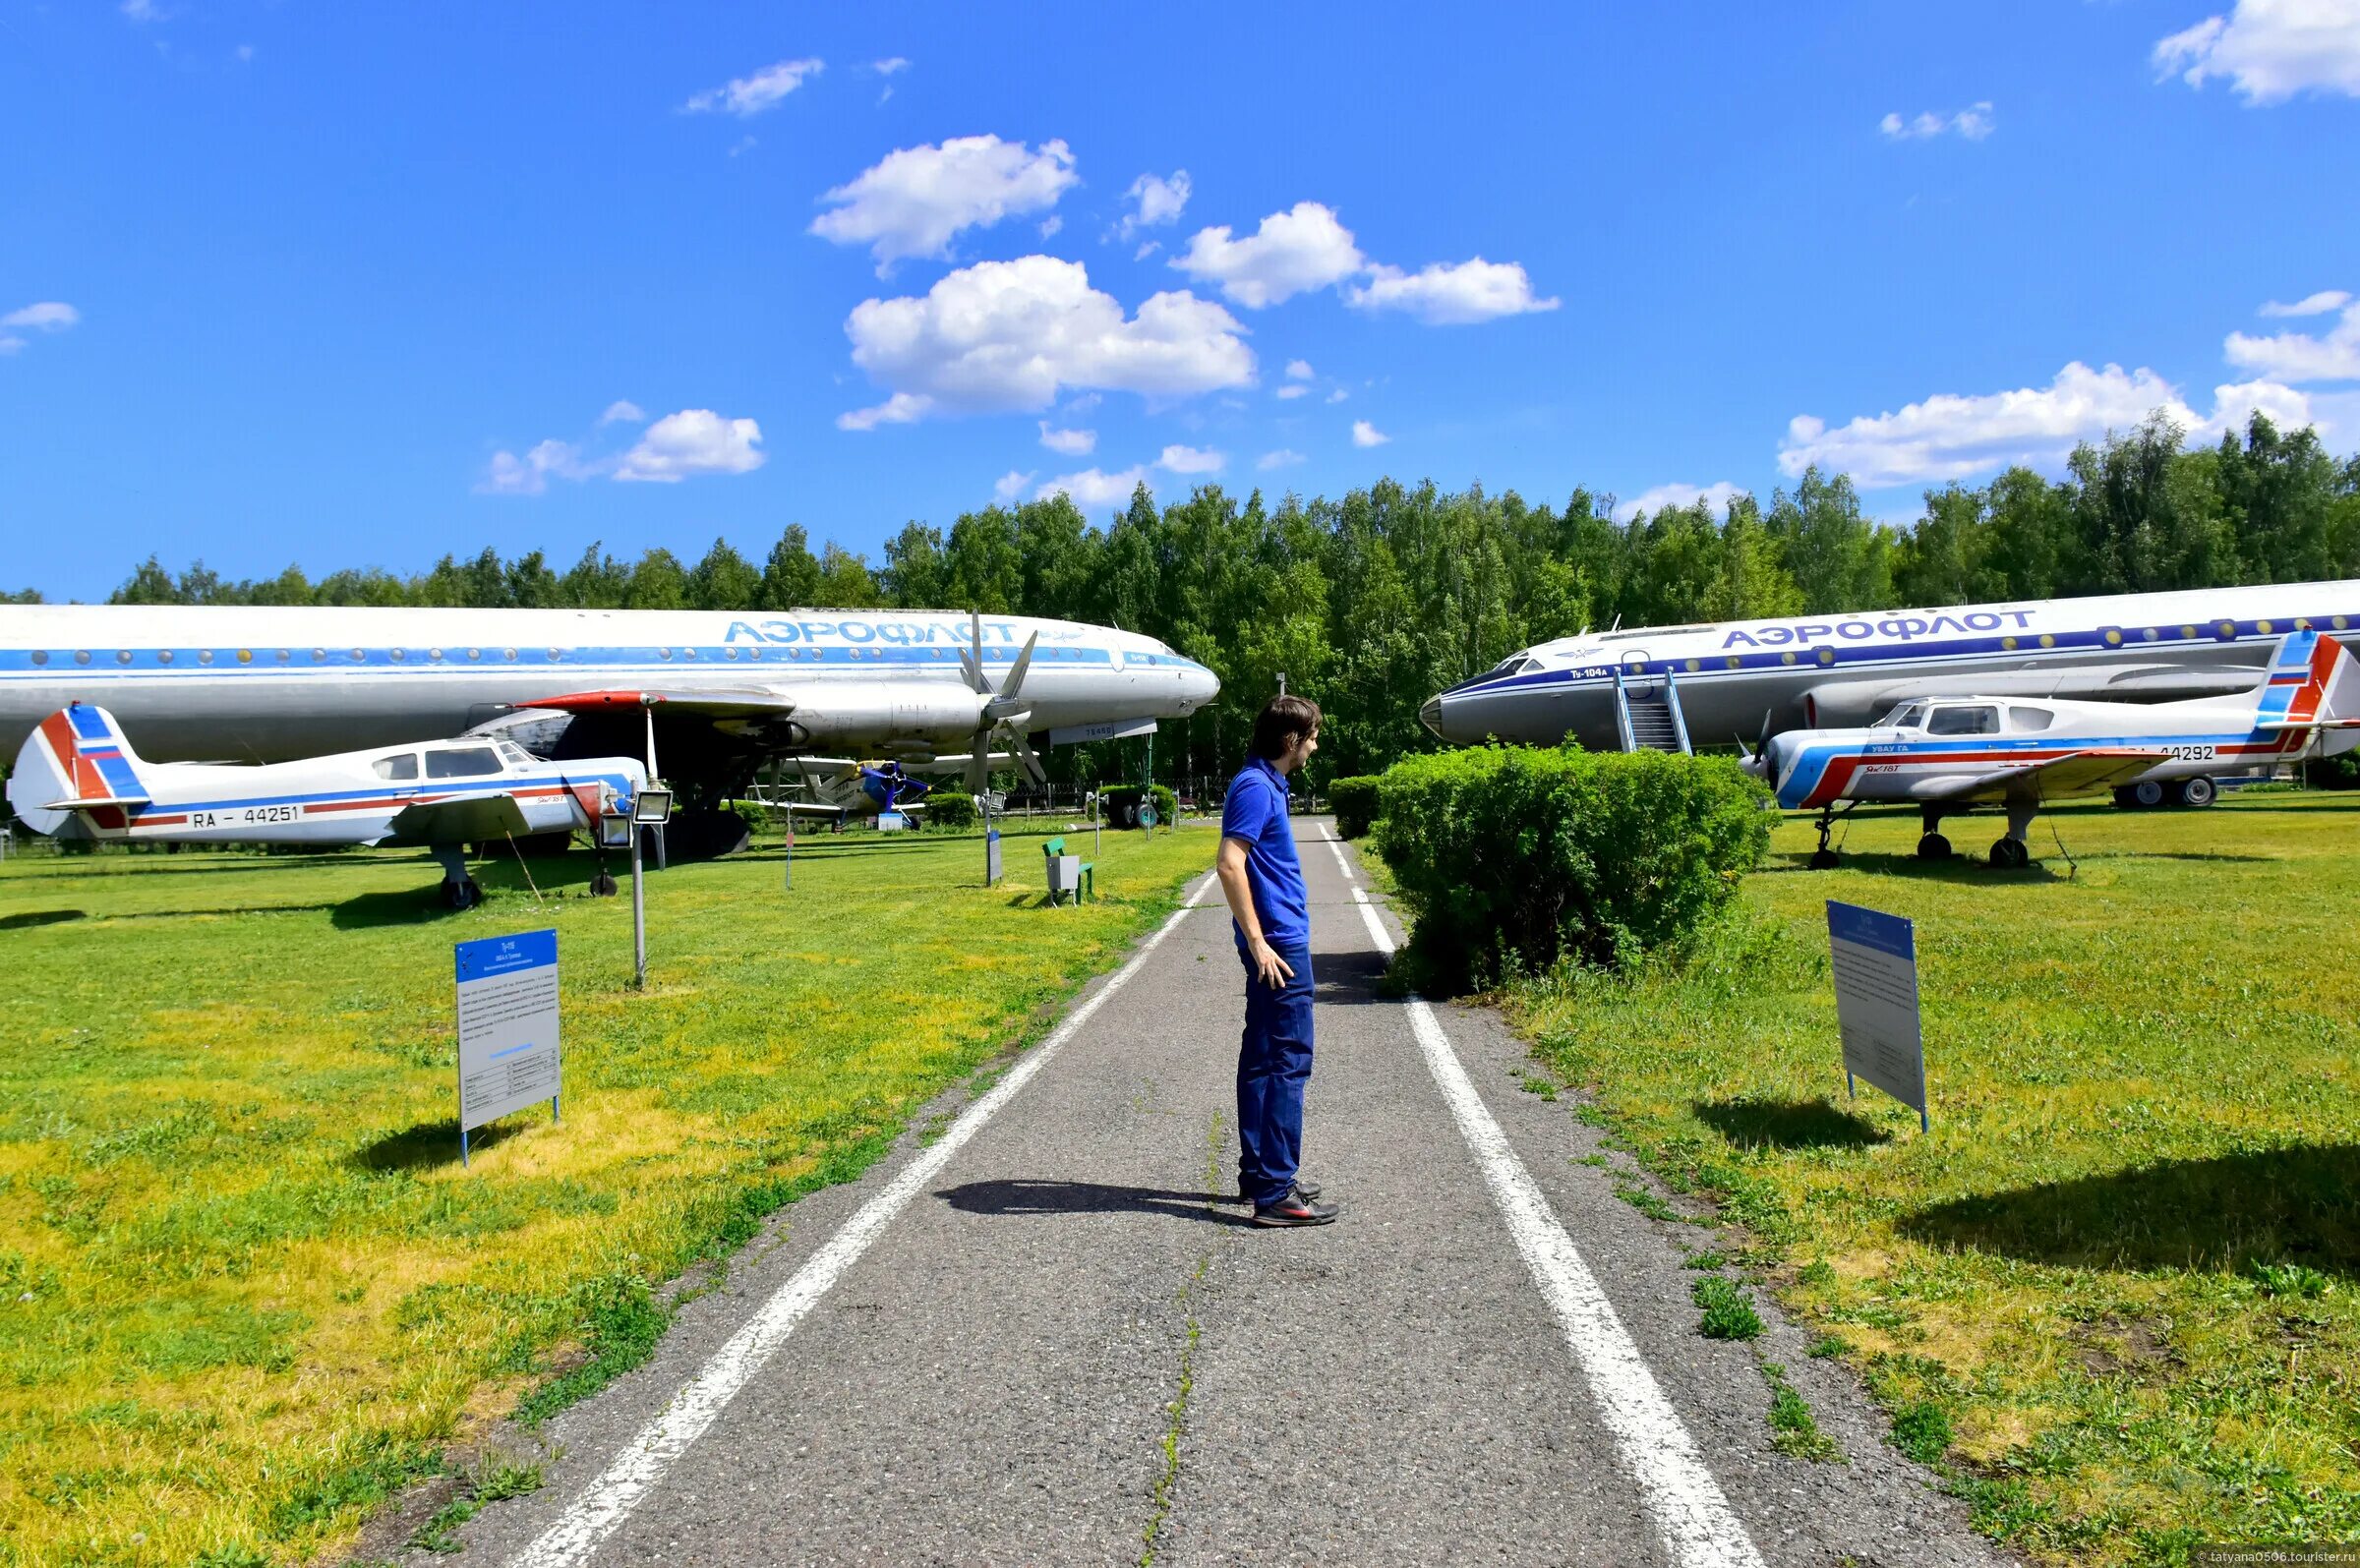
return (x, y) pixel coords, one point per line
(1273, 970)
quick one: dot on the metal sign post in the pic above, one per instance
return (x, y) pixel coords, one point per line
(507, 1005)
(650, 808)
(1875, 964)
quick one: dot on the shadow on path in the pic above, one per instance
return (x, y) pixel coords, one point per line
(1091, 1198)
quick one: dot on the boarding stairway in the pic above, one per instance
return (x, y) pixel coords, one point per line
(1647, 714)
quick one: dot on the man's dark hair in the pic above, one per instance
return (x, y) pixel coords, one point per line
(1282, 719)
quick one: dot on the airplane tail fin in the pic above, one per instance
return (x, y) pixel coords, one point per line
(77, 763)
(2313, 684)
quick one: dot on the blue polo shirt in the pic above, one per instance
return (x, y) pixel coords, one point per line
(1256, 812)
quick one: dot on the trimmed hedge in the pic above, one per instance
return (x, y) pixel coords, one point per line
(1167, 804)
(1354, 802)
(948, 808)
(1512, 857)
(2339, 772)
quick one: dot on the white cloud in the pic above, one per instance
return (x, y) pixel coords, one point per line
(511, 475)
(2318, 303)
(1191, 460)
(47, 316)
(1284, 457)
(2271, 49)
(1973, 121)
(1339, 395)
(2298, 356)
(1068, 442)
(1092, 488)
(1293, 253)
(143, 10)
(1002, 335)
(1051, 225)
(901, 408)
(1950, 436)
(1447, 295)
(749, 96)
(1299, 370)
(916, 200)
(1656, 498)
(1009, 485)
(1365, 433)
(888, 67)
(1158, 201)
(625, 411)
(1150, 248)
(1292, 390)
(695, 441)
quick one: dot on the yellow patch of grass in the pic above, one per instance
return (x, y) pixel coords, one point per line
(263, 1292)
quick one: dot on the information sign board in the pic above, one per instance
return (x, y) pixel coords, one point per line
(891, 821)
(508, 990)
(1876, 962)
(991, 859)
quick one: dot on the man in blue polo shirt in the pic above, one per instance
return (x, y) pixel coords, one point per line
(1264, 882)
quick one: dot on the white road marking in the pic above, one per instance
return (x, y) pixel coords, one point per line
(609, 1500)
(1695, 1520)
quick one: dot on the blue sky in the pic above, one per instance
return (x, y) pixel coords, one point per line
(362, 284)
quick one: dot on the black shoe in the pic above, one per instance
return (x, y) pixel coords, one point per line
(1309, 1188)
(1294, 1209)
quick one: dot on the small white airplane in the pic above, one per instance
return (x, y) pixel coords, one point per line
(1949, 754)
(443, 794)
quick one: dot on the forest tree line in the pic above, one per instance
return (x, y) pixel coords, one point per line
(1371, 601)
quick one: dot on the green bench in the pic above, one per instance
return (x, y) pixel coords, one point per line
(1061, 866)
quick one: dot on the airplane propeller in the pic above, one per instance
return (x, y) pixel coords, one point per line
(1757, 760)
(1003, 707)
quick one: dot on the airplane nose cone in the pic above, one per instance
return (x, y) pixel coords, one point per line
(1198, 686)
(1430, 714)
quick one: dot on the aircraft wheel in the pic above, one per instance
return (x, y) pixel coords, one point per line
(1823, 861)
(2148, 793)
(462, 894)
(1933, 846)
(602, 886)
(2198, 792)
(2010, 854)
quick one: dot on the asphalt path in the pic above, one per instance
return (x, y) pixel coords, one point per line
(1048, 1335)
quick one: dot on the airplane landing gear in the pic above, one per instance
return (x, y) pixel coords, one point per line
(462, 894)
(1824, 858)
(1931, 845)
(2011, 853)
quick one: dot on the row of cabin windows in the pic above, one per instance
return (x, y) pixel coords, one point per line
(455, 762)
(245, 656)
(1970, 718)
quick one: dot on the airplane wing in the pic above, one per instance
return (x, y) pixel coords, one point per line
(2077, 772)
(474, 818)
(710, 702)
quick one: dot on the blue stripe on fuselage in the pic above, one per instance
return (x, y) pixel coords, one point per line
(441, 788)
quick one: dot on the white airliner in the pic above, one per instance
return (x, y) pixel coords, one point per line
(725, 692)
(441, 795)
(1673, 687)
(1947, 755)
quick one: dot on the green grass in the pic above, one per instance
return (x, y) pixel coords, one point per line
(1727, 1310)
(246, 1289)
(1794, 1430)
(2116, 1291)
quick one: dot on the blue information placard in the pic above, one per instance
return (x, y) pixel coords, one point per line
(1874, 959)
(508, 1004)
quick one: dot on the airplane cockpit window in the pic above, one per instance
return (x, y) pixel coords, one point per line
(1964, 722)
(402, 765)
(515, 755)
(2029, 718)
(466, 762)
(1904, 715)
(1519, 662)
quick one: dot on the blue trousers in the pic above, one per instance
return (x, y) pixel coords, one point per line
(1273, 1064)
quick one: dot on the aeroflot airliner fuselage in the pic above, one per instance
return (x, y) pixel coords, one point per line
(268, 684)
(1728, 680)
